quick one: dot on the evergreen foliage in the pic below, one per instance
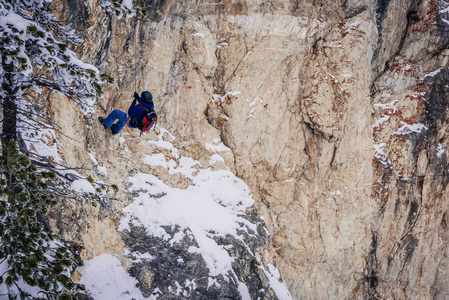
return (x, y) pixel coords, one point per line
(29, 252)
(36, 59)
(35, 46)
(121, 7)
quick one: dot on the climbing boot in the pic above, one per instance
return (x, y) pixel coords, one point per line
(101, 119)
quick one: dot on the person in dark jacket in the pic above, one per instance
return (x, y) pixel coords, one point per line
(135, 113)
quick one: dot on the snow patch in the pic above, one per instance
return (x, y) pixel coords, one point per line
(443, 11)
(184, 167)
(139, 257)
(444, 7)
(276, 284)
(210, 207)
(387, 106)
(164, 132)
(244, 292)
(156, 160)
(380, 155)
(221, 45)
(431, 74)
(251, 113)
(440, 150)
(255, 101)
(198, 34)
(217, 97)
(215, 158)
(82, 186)
(333, 45)
(382, 120)
(41, 141)
(247, 55)
(160, 143)
(100, 169)
(354, 26)
(410, 128)
(105, 279)
(336, 193)
(149, 183)
(217, 146)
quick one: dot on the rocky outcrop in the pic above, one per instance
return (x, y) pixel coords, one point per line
(335, 112)
(410, 167)
(173, 271)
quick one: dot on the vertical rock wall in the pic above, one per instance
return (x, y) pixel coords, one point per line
(336, 115)
(410, 186)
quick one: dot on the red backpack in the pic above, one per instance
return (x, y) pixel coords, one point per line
(148, 120)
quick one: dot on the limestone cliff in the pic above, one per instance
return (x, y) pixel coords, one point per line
(335, 113)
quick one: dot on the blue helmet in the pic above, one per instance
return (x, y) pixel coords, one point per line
(146, 97)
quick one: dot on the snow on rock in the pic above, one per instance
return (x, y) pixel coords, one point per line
(431, 74)
(380, 121)
(173, 161)
(440, 150)
(443, 13)
(353, 28)
(82, 186)
(100, 169)
(212, 204)
(222, 99)
(156, 160)
(410, 128)
(183, 165)
(215, 158)
(198, 34)
(275, 281)
(308, 110)
(216, 146)
(380, 154)
(161, 143)
(105, 279)
(41, 141)
(208, 226)
(147, 182)
(389, 107)
(243, 289)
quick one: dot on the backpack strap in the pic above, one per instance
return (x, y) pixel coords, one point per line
(145, 109)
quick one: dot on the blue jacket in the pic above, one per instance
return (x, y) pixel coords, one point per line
(136, 111)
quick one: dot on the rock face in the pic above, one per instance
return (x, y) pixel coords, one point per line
(336, 115)
(174, 272)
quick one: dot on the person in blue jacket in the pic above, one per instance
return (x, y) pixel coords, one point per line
(135, 113)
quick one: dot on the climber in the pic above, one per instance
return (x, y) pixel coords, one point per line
(140, 115)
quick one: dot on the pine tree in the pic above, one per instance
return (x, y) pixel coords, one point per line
(36, 56)
(26, 249)
(121, 7)
(33, 57)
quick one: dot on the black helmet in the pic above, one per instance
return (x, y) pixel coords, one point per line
(147, 97)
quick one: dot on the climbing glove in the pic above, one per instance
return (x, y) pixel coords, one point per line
(136, 96)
